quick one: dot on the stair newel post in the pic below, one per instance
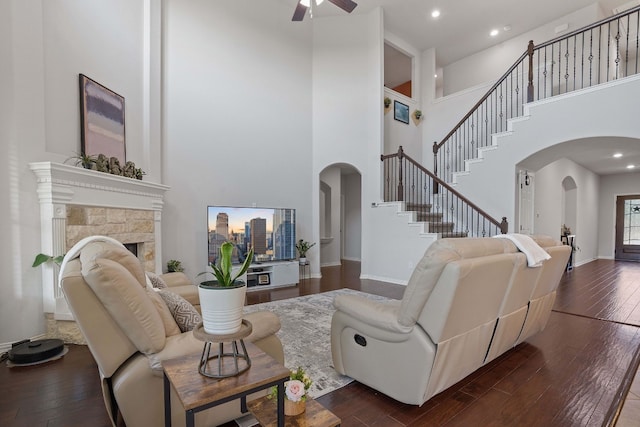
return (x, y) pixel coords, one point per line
(400, 185)
(435, 167)
(530, 85)
(504, 225)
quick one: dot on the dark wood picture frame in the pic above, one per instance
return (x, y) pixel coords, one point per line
(401, 112)
(102, 120)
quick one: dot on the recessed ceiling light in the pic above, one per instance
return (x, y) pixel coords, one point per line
(435, 13)
(617, 155)
(631, 166)
(493, 33)
(435, 75)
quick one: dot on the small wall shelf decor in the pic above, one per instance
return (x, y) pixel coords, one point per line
(401, 112)
(417, 114)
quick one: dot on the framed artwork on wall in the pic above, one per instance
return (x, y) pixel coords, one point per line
(101, 120)
(401, 112)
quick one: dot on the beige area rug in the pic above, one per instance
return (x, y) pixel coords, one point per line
(305, 336)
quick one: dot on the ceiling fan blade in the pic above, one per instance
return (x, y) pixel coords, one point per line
(298, 15)
(346, 5)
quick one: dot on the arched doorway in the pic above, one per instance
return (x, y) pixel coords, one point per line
(340, 216)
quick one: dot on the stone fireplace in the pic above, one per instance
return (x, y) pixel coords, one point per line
(76, 203)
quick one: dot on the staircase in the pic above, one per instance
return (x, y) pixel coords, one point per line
(599, 54)
(441, 209)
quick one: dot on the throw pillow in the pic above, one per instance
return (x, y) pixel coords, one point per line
(185, 315)
(156, 281)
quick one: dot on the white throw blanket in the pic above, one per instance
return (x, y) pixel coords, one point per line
(534, 253)
(74, 252)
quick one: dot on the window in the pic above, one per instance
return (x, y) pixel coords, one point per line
(398, 70)
(631, 234)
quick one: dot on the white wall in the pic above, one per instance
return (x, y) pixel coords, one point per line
(549, 210)
(490, 64)
(238, 118)
(612, 186)
(401, 243)
(45, 45)
(347, 110)
(352, 227)
(549, 124)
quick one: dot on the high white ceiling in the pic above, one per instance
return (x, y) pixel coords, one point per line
(463, 29)
(463, 26)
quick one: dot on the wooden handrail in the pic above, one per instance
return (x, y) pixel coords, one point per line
(529, 53)
(503, 225)
(589, 27)
(484, 98)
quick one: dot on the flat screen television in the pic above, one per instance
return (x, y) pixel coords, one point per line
(271, 232)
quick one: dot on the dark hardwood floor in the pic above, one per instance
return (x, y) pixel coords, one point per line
(575, 373)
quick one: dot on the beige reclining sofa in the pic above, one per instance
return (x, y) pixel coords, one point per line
(130, 331)
(468, 301)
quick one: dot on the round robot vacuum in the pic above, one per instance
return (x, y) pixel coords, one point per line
(35, 351)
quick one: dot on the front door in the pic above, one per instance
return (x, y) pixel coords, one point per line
(628, 228)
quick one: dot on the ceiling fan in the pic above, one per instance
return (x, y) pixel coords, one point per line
(303, 5)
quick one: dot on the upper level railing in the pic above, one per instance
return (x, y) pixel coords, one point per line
(604, 51)
(448, 213)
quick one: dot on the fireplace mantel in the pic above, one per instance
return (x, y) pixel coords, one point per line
(60, 185)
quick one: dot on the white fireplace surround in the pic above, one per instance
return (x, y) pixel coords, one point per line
(60, 185)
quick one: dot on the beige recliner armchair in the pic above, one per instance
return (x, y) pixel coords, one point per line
(130, 331)
(468, 301)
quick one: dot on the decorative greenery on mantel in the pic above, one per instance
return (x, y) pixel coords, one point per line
(102, 163)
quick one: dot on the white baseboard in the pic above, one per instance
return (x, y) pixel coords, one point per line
(351, 259)
(331, 264)
(384, 279)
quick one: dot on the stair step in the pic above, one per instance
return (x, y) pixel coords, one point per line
(418, 207)
(453, 234)
(428, 217)
(440, 227)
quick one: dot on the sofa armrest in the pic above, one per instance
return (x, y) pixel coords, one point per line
(176, 346)
(382, 315)
(175, 279)
(265, 324)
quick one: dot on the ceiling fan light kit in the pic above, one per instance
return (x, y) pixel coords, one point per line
(303, 5)
(307, 3)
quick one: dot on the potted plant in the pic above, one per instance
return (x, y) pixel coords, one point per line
(417, 114)
(173, 265)
(43, 258)
(387, 102)
(302, 247)
(222, 299)
(87, 161)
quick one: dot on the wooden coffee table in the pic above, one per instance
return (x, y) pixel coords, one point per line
(198, 392)
(264, 409)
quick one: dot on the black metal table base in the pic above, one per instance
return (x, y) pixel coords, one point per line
(208, 369)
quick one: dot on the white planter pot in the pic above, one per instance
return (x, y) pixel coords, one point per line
(222, 309)
(303, 261)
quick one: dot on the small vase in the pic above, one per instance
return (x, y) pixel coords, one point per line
(292, 408)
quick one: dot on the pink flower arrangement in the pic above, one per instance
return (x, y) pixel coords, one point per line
(297, 386)
(294, 389)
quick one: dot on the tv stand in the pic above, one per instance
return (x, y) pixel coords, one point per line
(266, 275)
